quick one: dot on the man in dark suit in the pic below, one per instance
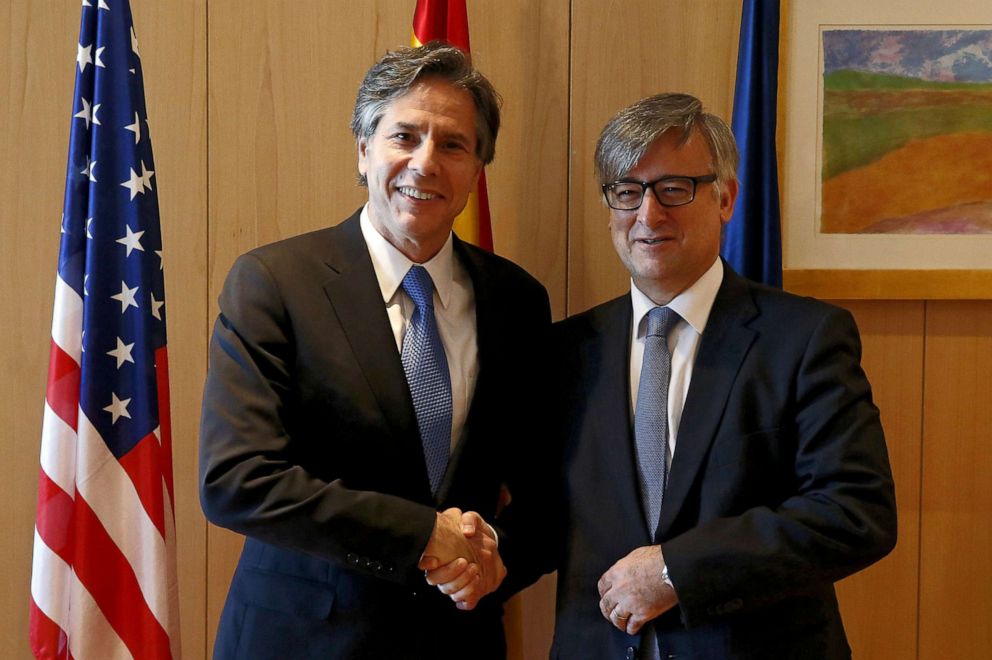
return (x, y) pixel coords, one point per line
(723, 462)
(365, 387)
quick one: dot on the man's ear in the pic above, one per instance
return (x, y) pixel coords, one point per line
(728, 197)
(363, 145)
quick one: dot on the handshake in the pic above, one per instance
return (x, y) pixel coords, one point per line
(461, 558)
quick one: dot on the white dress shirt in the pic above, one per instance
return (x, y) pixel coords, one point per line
(454, 308)
(693, 306)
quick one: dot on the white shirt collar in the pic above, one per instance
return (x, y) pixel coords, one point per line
(693, 305)
(391, 265)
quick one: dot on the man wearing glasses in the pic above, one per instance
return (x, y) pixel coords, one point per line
(723, 461)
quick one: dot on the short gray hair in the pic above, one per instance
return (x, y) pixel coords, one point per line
(626, 138)
(393, 75)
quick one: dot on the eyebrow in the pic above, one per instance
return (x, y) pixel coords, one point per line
(630, 179)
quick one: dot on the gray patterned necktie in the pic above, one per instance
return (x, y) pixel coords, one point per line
(426, 369)
(651, 434)
(651, 414)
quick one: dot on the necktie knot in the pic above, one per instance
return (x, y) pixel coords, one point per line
(419, 286)
(660, 321)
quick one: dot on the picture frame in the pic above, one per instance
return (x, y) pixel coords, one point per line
(857, 265)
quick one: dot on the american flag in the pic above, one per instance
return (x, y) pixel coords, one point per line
(103, 581)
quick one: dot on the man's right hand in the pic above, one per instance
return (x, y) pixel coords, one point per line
(465, 582)
(448, 542)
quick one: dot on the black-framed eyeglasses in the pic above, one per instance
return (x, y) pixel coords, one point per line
(668, 190)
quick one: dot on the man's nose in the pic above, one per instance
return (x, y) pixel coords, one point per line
(651, 212)
(423, 160)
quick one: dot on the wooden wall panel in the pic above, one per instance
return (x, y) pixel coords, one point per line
(955, 561)
(621, 52)
(36, 78)
(892, 338)
(173, 40)
(522, 46)
(282, 82)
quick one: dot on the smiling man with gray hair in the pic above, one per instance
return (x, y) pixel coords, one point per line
(723, 461)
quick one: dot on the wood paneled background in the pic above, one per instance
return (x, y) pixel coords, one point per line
(249, 102)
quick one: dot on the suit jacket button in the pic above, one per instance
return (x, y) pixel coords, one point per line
(366, 563)
(352, 558)
(377, 567)
(631, 653)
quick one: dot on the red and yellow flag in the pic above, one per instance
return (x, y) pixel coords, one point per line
(447, 20)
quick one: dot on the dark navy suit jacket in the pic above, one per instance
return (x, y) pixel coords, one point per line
(309, 447)
(780, 482)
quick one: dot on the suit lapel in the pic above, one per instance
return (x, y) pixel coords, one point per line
(724, 345)
(353, 292)
(609, 392)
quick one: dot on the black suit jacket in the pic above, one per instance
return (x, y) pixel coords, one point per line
(309, 447)
(779, 486)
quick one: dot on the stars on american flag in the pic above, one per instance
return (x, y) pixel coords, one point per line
(126, 296)
(131, 241)
(118, 408)
(88, 170)
(84, 56)
(146, 177)
(122, 353)
(88, 113)
(135, 128)
(115, 233)
(134, 184)
(156, 307)
(139, 183)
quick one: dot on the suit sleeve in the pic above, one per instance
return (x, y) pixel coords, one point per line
(836, 517)
(250, 478)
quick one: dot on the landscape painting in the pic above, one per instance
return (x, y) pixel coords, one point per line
(907, 131)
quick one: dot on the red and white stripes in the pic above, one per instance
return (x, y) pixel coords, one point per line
(103, 581)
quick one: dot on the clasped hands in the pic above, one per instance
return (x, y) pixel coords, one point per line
(461, 558)
(632, 592)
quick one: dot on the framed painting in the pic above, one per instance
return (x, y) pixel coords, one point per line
(886, 139)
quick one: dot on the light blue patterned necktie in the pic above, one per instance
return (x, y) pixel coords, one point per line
(651, 414)
(426, 369)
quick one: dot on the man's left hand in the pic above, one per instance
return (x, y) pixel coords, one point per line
(466, 583)
(632, 591)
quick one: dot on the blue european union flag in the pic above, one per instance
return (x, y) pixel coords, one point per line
(752, 242)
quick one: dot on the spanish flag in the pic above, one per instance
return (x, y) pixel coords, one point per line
(447, 20)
